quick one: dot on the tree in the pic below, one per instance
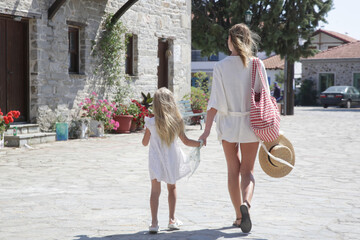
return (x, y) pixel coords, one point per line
(213, 18)
(280, 23)
(298, 20)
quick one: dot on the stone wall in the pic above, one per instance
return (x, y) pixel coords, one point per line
(55, 92)
(343, 70)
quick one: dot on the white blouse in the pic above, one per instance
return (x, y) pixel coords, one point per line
(231, 95)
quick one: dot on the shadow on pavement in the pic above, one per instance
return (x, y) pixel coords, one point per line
(208, 234)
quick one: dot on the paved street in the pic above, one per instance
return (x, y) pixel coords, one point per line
(98, 189)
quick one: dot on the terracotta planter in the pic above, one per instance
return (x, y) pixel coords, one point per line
(124, 123)
(133, 126)
(196, 120)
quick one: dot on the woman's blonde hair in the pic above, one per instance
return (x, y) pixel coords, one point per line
(244, 41)
(168, 120)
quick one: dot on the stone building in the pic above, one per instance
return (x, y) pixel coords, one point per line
(46, 67)
(334, 67)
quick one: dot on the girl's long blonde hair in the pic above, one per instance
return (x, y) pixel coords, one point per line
(244, 41)
(168, 120)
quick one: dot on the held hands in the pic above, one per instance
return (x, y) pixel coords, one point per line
(204, 136)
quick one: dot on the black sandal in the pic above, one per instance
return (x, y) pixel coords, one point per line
(235, 224)
(245, 221)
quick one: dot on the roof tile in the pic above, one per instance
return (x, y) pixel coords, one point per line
(349, 50)
(274, 62)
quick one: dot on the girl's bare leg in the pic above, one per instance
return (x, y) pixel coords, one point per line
(154, 201)
(231, 151)
(172, 201)
(248, 155)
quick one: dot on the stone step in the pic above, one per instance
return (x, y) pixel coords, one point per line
(29, 139)
(26, 128)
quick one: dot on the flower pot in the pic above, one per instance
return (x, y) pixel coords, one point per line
(62, 131)
(79, 129)
(124, 123)
(196, 120)
(133, 126)
(96, 128)
(2, 136)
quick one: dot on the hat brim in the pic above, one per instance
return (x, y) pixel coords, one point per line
(273, 168)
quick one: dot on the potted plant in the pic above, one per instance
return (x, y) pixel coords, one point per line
(101, 114)
(141, 113)
(122, 116)
(199, 95)
(5, 124)
(133, 110)
(79, 128)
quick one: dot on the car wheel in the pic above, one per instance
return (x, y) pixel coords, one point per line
(325, 105)
(348, 104)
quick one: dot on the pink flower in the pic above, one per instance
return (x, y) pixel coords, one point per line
(101, 101)
(116, 125)
(94, 93)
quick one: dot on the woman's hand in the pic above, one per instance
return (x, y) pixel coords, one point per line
(204, 136)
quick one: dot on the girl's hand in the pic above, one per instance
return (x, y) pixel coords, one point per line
(204, 136)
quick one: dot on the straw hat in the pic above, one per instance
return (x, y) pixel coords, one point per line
(280, 148)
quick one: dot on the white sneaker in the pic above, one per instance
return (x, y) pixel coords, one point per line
(153, 229)
(176, 225)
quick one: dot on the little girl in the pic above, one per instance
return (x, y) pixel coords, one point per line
(167, 162)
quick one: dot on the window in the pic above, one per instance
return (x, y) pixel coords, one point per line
(326, 80)
(73, 50)
(129, 62)
(356, 82)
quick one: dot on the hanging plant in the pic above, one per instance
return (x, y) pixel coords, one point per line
(110, 49)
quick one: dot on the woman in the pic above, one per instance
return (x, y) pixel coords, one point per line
(230, 104)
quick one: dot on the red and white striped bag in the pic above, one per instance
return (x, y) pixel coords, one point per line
(264, 114)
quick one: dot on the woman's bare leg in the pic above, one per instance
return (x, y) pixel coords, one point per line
(231, 151)
(248, 155)
(154, 201)
(172, 201)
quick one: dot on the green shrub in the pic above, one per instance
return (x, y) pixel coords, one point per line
(307, 95)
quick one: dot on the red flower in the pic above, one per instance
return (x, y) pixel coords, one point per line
(11, 119)
(15, 114)
(1, 114)
(6, 120)
(10, 114)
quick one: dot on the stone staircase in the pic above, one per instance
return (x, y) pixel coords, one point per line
(28, 134)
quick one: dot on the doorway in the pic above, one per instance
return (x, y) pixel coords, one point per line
(13, 66)
(163, 67)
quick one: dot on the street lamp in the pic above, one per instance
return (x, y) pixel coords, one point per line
(248, 16)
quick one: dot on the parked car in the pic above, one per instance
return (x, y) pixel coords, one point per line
(343, 96)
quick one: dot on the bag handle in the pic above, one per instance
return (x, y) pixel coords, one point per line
(275, 158)
(256, 65)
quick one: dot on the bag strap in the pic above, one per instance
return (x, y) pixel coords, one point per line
(256, 65)
(275, 158)
(253, 73)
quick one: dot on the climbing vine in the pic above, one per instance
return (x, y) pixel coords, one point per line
(110, 49)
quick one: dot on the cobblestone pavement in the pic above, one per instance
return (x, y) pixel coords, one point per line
(99, 188)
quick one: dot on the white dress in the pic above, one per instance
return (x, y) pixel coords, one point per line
(166, 163)
(230, 96)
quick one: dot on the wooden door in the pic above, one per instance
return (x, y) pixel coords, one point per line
(163, 64)
(13, 67)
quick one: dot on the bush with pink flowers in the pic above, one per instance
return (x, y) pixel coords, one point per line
(100, 110)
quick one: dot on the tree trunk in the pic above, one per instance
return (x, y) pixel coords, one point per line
(289, 88)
